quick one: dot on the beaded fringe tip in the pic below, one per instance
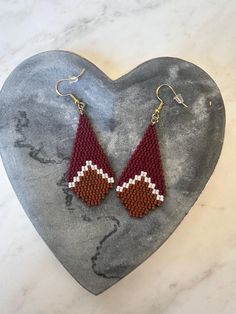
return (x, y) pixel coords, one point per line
(90, 176)
(141, 186)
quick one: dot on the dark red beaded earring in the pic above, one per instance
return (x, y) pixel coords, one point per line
(141, 186)
(90, 175)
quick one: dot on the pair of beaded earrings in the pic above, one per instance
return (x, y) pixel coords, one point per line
(141, 186)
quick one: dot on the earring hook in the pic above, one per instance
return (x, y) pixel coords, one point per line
(178, 98)
(71, 79)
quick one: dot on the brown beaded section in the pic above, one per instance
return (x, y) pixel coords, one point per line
(138, 198)
(92, 187)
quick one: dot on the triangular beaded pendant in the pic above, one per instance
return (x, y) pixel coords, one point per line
(90, 175)
(141, 186)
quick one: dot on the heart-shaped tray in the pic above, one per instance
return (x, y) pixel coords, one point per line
(100, 245)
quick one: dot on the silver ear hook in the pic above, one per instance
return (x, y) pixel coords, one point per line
(72, 79)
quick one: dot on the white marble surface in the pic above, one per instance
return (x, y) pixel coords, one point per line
(195, 270)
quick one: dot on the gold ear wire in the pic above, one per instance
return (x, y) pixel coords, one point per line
(72, 79)
(178, 98)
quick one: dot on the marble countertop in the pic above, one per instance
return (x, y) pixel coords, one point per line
(195, 270)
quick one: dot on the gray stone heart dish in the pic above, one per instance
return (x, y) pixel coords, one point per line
(100, 245)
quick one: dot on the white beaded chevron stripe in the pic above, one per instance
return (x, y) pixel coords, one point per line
(146, 179)
(86, 168)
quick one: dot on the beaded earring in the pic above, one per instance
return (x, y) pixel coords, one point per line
(90, 175)
(141, 187)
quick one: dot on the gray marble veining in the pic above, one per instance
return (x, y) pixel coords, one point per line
(100, 245)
